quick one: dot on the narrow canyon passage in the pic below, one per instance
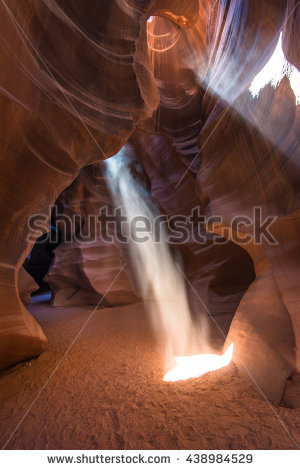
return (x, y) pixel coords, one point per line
(108, 392)
(150, 227)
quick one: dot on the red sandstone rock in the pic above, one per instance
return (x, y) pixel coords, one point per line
(87, 268)
(77, 80)
(26, 285)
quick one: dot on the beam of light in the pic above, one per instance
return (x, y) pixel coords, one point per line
(274, 71)
(150, 19)
(189, 367)
(161, 284)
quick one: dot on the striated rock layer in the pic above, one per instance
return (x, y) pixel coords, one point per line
(247, 156)
(75, 81)
(90, 266)
(257, 165)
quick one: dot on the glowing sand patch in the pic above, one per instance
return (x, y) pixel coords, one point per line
(274, 71)
(189, 367)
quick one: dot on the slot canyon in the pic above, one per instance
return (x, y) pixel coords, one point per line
(150, 224)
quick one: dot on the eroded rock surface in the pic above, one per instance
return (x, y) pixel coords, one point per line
(77, 81)
(90, 266)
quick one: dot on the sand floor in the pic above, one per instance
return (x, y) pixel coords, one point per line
(108, 393)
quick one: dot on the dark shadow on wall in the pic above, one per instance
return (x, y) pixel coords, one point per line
(38, 262)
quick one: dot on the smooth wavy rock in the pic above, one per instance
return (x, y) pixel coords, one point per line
(78, 78)
(75, 80)
(90, 266)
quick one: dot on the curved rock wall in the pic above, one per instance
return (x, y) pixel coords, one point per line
(89, 268)
(247, 156)
(75, 80)
(218, 274)
(257, 165)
